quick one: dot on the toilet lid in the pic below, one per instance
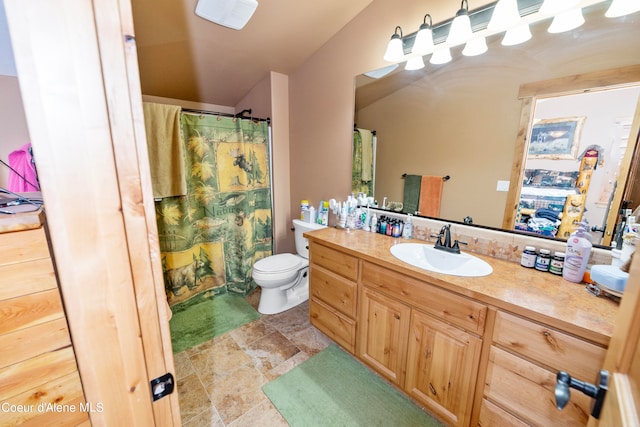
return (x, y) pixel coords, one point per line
(279, 263)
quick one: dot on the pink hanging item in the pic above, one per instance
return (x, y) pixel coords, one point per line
(23, 178)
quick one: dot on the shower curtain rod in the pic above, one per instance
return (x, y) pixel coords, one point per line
(240, 115)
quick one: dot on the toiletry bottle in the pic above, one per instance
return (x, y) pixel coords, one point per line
(577, 255)
(304, 206)
(407, 231)
(374, 223)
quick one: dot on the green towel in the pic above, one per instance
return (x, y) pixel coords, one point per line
(411, 193)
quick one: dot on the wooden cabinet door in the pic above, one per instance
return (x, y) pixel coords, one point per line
(442, 368)
(384, 328)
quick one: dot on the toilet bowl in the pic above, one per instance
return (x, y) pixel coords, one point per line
(284, 278)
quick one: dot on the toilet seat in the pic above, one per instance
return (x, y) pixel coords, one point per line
(279, 264)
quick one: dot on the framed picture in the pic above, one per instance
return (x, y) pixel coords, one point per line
(555, 138)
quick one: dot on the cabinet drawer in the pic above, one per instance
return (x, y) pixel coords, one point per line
(557, 350)
(336, 326)
(528, 391)
(336, 261)
(25, 278)
(23, 246)
(30, 310)
(446, 305)
(492, 415)
(334, 290)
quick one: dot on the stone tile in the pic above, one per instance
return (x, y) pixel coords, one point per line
(205, 345)
(192, 397)
(310, 340)
(288, 322)
(208, 418)
(263, 414)
(286, 366)
(183, 365)
(251, 332)
(218, 360)
(270, 351)
(254, 298)
(236, 393)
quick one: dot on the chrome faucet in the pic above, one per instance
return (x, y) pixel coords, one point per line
(444, 241)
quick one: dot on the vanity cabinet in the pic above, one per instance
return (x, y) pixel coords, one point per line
(524, 359)
(423, 339)
(480, 351)
(442, 368)
(384, 332)
(333, 294)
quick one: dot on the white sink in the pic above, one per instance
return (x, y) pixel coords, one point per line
(439, 261)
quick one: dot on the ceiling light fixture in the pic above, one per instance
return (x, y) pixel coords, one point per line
(622, 7)
(460, 31)
(395, 48)
(423, 44)
(229, 13)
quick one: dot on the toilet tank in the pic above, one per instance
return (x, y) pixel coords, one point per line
(301, 227)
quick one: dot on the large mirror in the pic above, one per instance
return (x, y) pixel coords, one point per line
(468, 119)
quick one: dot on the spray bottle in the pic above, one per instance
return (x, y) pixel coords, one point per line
(577, 255)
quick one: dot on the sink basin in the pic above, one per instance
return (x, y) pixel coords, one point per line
(427, 257)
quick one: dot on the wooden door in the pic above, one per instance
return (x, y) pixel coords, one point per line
(622, 402)
(383, 334)
(442, 367)
(78, 74)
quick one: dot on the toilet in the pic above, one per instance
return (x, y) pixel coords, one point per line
(284, 278)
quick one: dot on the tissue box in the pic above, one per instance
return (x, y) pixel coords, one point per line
(609, 276)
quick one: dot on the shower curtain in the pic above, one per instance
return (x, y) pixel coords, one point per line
(363, 161)
(210, 238)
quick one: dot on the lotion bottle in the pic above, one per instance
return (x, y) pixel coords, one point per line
(407, 231)
(577, 255)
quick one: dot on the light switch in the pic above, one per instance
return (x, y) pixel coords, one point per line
(503, 186)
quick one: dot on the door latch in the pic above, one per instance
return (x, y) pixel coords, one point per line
(162, 386)
(565, 382)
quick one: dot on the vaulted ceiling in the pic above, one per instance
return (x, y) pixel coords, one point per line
(184, 56)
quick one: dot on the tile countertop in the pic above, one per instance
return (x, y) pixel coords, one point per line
(537, 295)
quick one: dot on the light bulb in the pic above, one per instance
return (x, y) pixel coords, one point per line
(423, 44)
(553, 7)
(622, 8)
(460, 30)
(505, 15)
(395, 48)
(566, 21)
(415, 63)
(441, 56)
(516, 35)
(474, 47)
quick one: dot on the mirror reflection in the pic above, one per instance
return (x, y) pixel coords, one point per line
(463, 119)
(573, 163)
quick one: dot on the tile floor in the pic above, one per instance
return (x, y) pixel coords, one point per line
(220, 380)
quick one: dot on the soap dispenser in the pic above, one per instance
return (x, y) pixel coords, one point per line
(577, 255)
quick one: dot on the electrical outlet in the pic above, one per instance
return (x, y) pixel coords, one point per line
(502, 186)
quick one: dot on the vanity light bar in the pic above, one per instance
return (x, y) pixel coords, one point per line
(480, 20)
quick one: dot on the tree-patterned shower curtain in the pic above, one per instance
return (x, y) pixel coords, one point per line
(210, 238)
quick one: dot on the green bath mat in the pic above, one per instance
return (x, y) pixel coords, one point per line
(333, 389)
(203, 317)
